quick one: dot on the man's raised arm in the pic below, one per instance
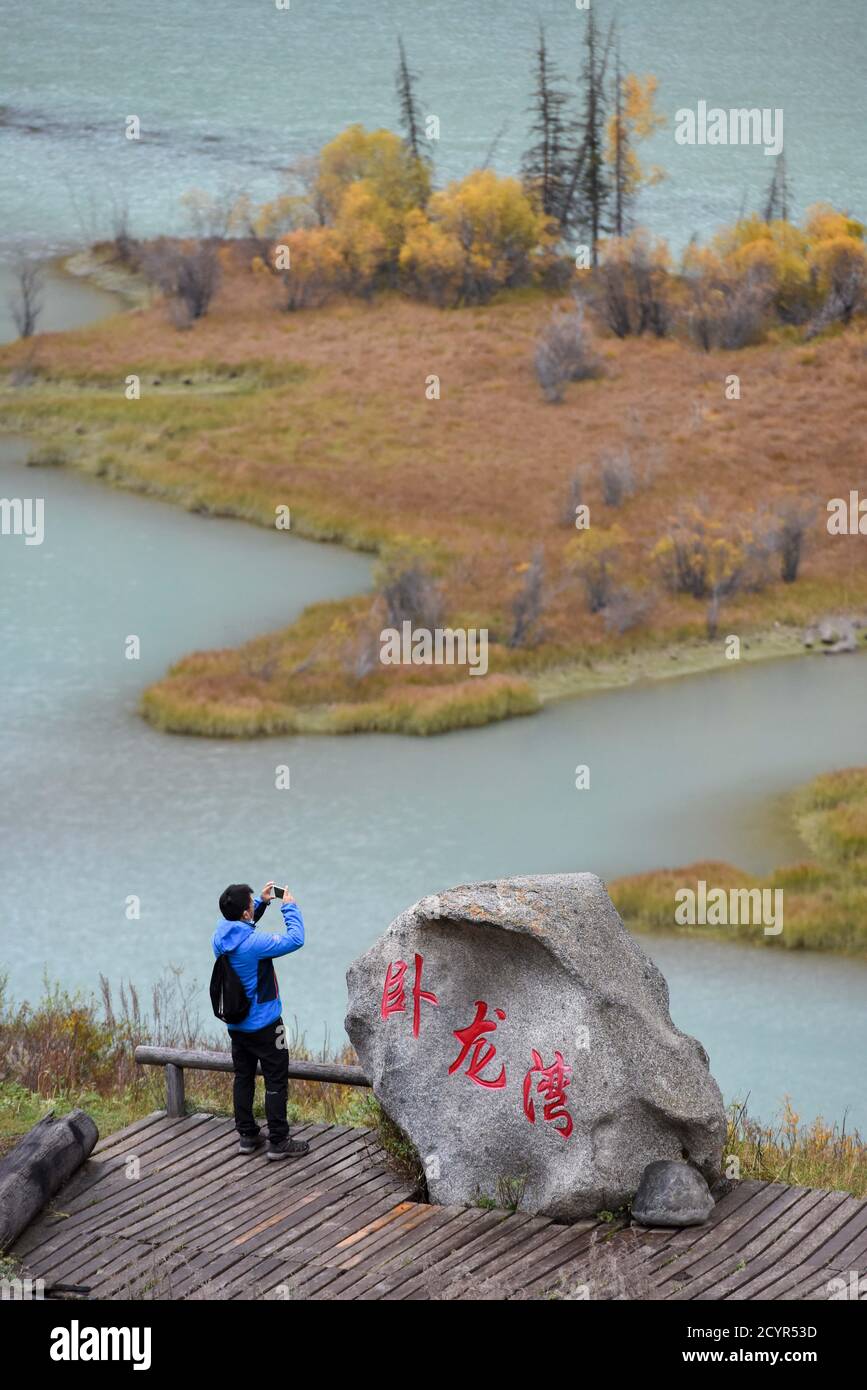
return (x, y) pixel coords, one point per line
(293, 931)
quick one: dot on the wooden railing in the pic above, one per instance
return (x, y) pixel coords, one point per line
(176, 1061)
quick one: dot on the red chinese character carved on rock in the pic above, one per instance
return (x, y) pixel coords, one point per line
(552, 1085)
(394, 997)
(472, 1040)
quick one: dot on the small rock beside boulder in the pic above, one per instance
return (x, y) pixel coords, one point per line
(672, 1194)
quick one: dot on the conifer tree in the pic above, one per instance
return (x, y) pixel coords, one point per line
(779, 196)
(411, 119)
(588, 194)
(546, 167)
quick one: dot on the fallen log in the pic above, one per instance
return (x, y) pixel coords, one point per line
(38, 1167)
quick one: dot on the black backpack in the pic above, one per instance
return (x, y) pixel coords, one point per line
(229, 999)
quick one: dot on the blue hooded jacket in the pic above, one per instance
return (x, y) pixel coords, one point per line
(251, 954)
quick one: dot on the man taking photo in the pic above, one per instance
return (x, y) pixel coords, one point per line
(260, 1035)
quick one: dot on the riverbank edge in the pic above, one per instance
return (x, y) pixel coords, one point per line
(97, 267)
(472, 703)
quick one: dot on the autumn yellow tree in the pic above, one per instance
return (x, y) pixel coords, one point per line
(633, 119)
(838, 260)
(483, 233)
(431, 261)
(363, 186)
(314, 267)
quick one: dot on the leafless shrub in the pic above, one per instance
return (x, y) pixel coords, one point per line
(632, 288)
(127, 249)
(25, 371)
(565, 353)
(529, 603)
(722, 590)
(574, 494)
(595, 556)
(727, 314)
(847, 296)
(409, 592)
(188, 276)
(25, 303)
(216, 216)
(790, 528)
(617, 477)
(627, 608)
(361, 652)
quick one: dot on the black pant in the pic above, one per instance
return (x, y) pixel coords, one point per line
(247, 1050)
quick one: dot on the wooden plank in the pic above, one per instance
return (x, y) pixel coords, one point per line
(568, 1264)
(198, 1224)
(121, 1136)
(688, 1246)
(402, 1244)
(379, 1254)
(229, 1269)
(78, 1195)
(849, 1242)
(771, 1248)
(809, 1284)
(115, 1201)
(222, 1180)
(445, 1244)
(730, 1214)
(306, 1215)
(435, 1281)
(833, 1209)
(704, 1269)
(279, 1260)
(339, 1224)
(498, 1279)
(535, 1263)
(271, 1260)
(122, 1208)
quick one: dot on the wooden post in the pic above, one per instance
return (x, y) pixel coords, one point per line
(175, 1098)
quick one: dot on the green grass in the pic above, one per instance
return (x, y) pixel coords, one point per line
(71, 1051)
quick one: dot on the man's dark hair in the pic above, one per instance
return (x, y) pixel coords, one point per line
(235, 900)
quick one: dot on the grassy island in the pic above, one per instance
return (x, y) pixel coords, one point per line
(610, 471)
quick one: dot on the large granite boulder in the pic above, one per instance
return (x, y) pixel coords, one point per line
(522, 1040)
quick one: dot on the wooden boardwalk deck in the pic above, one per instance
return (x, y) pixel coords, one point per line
(168, 1209)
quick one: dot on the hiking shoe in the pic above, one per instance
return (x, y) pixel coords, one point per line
(250, 1143)
(288, 1148)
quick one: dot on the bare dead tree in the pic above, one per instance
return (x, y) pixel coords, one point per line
(187, 276)
(25, 303)
(411, 119)
(791, 526)
(410, 593)
(574, 495)
(529, 602)
(617, 477)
